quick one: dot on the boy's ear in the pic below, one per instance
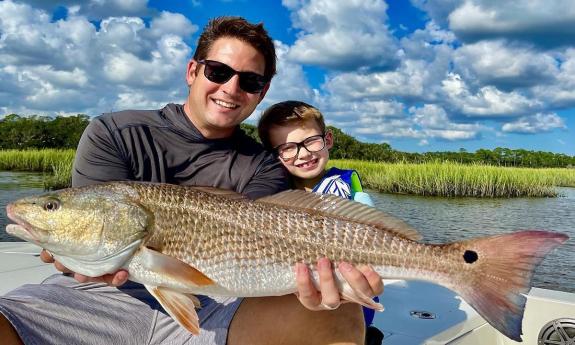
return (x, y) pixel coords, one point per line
(328, 139)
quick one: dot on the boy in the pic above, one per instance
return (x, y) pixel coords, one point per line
(296, 132)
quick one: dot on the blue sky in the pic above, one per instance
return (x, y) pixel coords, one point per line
(420, 75)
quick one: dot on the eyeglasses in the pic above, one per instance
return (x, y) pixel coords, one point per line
(311, 144)
(219, 73)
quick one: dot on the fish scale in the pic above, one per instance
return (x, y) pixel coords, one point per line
(179, 240)
(269, 238)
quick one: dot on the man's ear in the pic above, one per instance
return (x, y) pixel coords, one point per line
(328, 139)
(264, 91)
(191, 71)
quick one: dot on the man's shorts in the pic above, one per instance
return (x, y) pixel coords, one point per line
(63, 311)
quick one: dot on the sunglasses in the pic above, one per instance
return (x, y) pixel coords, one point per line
(220, 73)
(311, 144)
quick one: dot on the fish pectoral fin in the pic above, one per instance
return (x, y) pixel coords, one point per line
(195, 300)
(180, 306)
(350, 295)
(172, 267)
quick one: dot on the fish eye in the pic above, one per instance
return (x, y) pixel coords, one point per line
(52, 205)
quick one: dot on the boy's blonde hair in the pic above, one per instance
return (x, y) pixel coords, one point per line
(287, 113)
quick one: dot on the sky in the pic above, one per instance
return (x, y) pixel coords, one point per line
(420, 75)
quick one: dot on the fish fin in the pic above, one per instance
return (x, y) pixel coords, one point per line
(180, 306)
(351, 295)
(172, 267)
(334, 205)
(230, 194)
(195, 300)
(501, 272)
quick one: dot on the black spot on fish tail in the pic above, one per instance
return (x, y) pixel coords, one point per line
(470, 256)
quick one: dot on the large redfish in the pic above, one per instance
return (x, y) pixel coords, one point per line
(180, 241)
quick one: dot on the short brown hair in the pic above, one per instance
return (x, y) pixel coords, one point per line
(238, 28)
(287, 113)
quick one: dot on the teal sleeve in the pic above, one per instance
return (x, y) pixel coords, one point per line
(363, 198)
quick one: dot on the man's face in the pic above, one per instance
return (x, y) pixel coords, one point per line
(216, 109)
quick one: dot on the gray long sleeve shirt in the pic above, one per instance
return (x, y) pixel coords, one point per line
(164, 146)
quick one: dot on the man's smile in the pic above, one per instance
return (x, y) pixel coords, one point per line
(227, 105)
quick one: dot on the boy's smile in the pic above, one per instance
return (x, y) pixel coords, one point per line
(309, 164)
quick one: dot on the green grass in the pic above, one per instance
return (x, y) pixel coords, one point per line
(56, 165)
(428, 179)
(452, 179)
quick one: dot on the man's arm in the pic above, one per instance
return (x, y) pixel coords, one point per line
(270, 178)
(99, 158)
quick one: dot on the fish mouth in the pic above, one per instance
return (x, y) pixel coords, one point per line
(22, 228)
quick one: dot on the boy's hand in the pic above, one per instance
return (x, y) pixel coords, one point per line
(115, 279)
(363, 280)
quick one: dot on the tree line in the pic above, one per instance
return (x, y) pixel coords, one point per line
(63, 132)
(39, 132)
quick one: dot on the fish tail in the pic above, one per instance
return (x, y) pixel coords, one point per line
(501, 269)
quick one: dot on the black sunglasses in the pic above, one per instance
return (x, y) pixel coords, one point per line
(219, 73)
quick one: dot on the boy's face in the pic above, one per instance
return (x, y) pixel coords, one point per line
(305, 165)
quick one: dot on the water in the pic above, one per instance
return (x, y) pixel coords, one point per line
(15, 185)
(442, 220)
(438, 219)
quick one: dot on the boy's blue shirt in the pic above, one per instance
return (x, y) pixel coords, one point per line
(345, 183)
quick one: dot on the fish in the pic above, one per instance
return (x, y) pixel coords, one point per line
(180, 241)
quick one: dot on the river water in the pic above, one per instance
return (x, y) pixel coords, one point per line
(438, 219)
(442, 220)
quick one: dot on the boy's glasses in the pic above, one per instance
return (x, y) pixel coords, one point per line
(290, 150)
(219, 73)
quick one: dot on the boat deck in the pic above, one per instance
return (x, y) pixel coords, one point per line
(20, 264)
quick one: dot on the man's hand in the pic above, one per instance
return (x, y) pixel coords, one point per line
(364, 280)
(115, 279)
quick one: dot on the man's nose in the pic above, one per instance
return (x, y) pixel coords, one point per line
(232, 86)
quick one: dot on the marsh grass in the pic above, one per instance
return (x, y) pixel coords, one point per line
(56, 165)
(453, 179)
(428, 179)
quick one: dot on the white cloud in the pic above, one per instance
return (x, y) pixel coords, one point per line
(95, 9)
(289, 83)
(499, 63)
(487, 101)
(391, 129)
(172, 23)
(71, 65)
(343, 35)
(535, 124)
(561, 93)
(546, 23)
(435, 123)
(437, 10)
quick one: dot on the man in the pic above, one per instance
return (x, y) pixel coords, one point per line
(198, 143)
